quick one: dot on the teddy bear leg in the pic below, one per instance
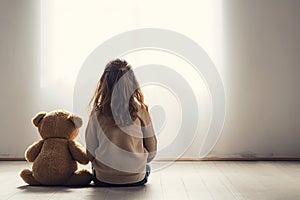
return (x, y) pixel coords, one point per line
(27, 176)
(79, 178)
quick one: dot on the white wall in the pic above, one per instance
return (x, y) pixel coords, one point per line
(260, 73)
(261, 77)
(19, 61)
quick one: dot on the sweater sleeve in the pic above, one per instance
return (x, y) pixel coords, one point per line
(91, 136)
(149, 138)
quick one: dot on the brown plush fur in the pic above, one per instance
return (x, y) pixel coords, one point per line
(54, 157)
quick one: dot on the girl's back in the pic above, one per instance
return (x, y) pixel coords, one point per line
(120, 137)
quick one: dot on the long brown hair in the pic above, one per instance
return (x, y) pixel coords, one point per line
(118, 93)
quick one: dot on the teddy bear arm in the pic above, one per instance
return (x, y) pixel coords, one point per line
(78, 153)
(33, 151)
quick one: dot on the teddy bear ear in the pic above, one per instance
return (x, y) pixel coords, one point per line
(77, 121)
(38, 118)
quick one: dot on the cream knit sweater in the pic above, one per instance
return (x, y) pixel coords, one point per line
(119, 154)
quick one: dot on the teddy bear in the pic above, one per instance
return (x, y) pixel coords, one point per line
(55, 157)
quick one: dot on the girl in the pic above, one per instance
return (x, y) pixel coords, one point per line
(120, 139)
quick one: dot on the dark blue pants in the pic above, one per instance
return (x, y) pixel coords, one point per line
(140, 183)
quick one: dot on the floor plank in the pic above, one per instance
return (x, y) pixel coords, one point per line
(209, 180)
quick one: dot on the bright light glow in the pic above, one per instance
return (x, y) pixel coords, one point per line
(71, 30)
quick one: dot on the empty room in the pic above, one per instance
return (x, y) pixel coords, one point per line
(158, 100)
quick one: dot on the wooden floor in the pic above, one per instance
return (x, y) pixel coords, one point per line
(206, 180)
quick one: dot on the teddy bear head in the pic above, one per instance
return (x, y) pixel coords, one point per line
(57, 124)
